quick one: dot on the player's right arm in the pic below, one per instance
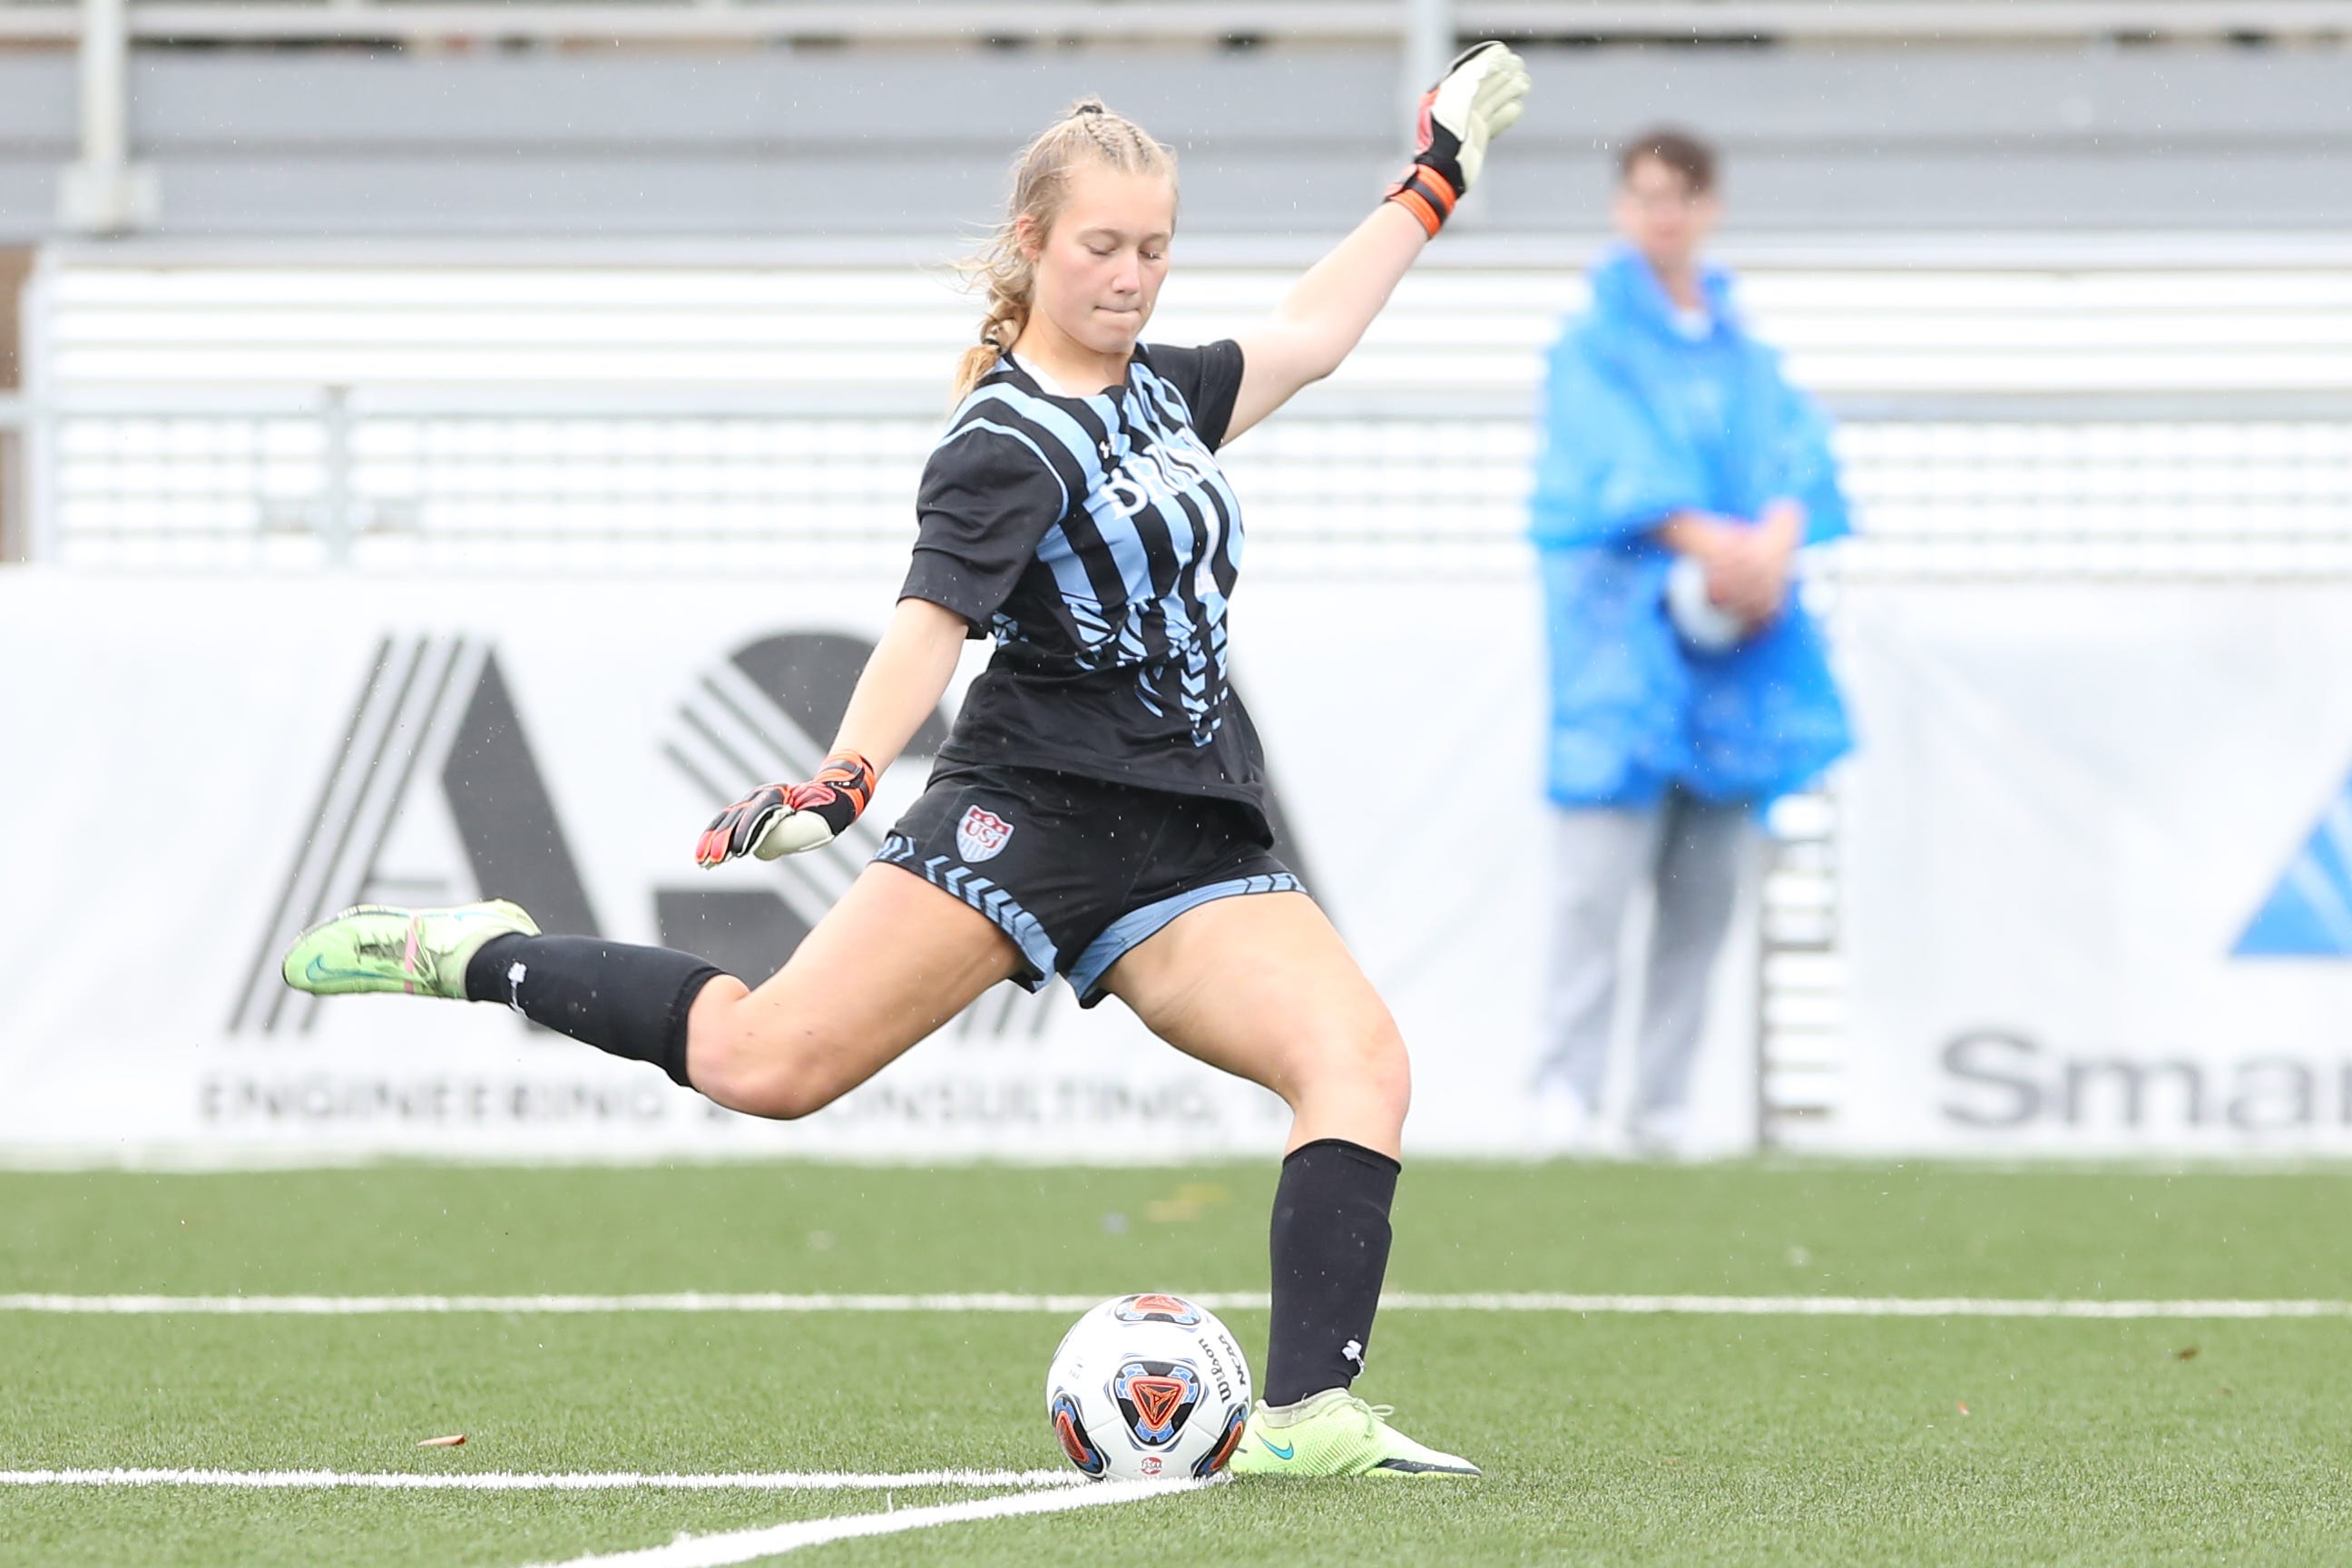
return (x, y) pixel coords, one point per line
(989, 494)
(901, 686)
(903, 682)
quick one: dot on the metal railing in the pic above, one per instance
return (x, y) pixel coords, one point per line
(949, 21)
(342, 479)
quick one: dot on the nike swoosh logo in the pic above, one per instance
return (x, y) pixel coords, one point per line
(1277, 1453)
(318, 971)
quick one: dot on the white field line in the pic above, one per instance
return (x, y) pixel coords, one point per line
(1408, 1301)
(526, 1481)
(1865, 1306)
(679, 1302)
(748, 1546)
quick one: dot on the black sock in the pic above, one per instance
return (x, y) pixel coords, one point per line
(1330, 1246)
(630, 1001)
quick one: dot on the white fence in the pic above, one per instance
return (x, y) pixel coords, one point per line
(2116, 419)
(386, 488)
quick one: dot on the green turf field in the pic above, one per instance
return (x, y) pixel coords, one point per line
(1613, 1439)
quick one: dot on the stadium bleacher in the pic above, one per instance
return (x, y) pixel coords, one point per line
(578, 117)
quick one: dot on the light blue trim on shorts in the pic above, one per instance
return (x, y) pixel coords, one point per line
(1125, 933)
(947, 874)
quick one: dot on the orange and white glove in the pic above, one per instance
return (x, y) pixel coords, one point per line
(785, 819)
(1480, 96)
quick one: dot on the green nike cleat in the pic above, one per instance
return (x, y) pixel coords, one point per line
(1335, 1434)
(421, 952)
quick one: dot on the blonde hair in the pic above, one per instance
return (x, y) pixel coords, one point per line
(1041, 182)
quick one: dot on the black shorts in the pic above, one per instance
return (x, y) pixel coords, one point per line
(1075, 871)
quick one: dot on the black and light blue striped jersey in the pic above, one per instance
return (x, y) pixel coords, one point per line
(1098, 541)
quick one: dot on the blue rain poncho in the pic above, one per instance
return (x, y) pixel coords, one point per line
(1642, 420)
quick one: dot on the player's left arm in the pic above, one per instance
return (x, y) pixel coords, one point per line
(1479, 96)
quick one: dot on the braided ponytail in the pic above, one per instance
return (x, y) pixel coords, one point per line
(1041, 181)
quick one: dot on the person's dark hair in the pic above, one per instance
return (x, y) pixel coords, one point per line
(1677, 149)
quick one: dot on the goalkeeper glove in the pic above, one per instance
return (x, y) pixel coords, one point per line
(1479, 96)
(784, 820)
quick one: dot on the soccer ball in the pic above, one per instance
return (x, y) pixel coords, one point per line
(1148, 1387)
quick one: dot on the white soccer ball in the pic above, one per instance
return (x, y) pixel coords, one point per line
(1148, 1387)
(1701, 622)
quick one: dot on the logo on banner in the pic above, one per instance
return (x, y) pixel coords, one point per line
(2309, 912)
(438, 728)
(981, 836)
(433, 716)
(2010, 1079)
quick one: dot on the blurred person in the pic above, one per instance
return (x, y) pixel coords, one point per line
(1679, 475)
(1099, 809)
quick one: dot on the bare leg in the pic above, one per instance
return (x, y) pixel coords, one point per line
(1263, 987)
(894, 960)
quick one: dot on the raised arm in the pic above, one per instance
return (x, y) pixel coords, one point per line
(1325, 315)
(1479, 96)
(901, 686)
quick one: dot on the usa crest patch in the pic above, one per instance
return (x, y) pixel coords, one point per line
(981, 836)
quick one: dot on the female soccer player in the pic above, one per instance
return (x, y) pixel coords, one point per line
(1099, 809)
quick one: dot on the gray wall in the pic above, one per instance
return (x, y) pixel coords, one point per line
(772, 143)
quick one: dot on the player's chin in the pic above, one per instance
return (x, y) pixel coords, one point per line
(1115, 332)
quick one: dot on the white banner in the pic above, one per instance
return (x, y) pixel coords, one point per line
(2096, 858)
(194, 769)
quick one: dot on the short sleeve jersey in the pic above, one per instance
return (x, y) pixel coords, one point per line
(1098, 541)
